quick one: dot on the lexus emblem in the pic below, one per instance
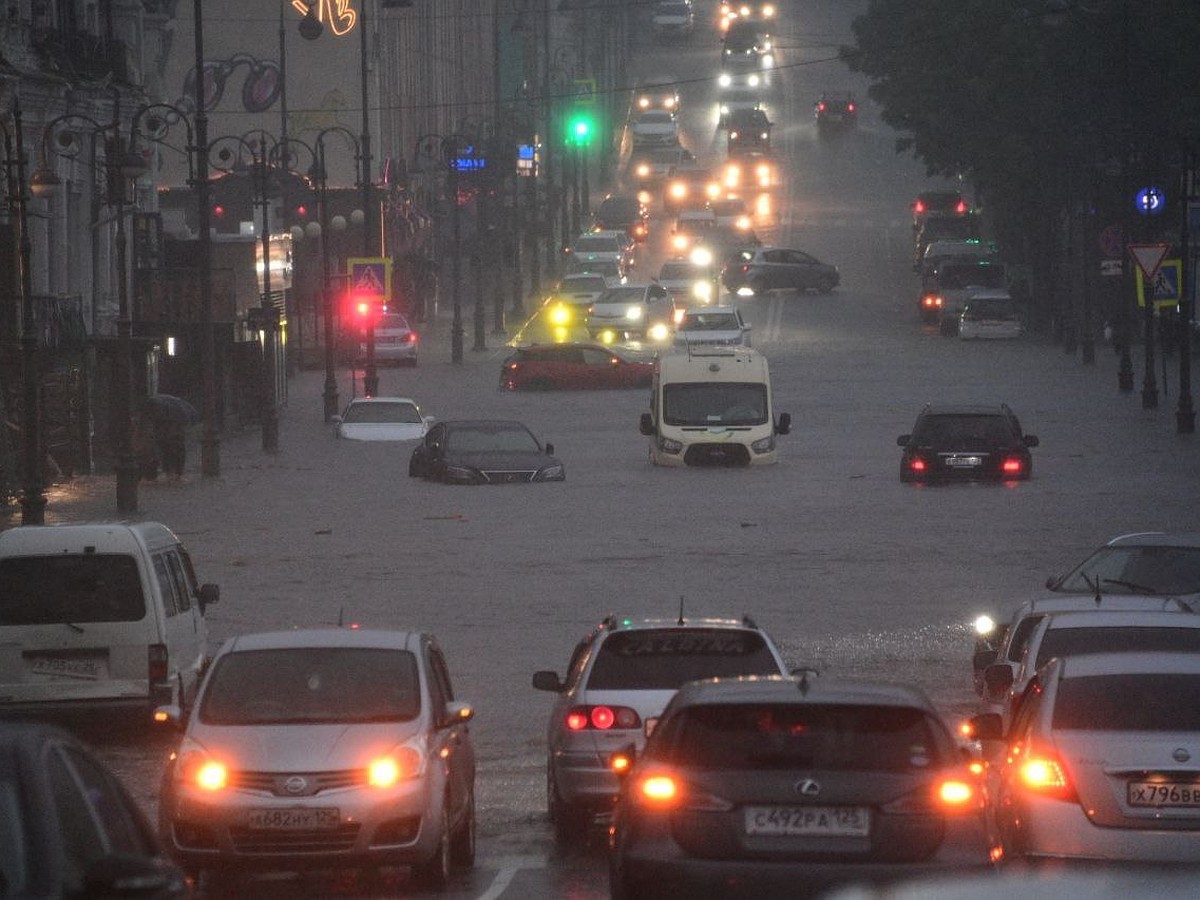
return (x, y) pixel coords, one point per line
(807, 788)
(296, 785)
(1181, 755)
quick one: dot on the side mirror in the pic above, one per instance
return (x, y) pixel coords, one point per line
(998, 678)
(903, 440)
(646, 424)
(457, 713)
(982, 659)
(784, 425)
(1030, 440)
(169, 714)
(548, 681)
(208, 595)
(549, 449)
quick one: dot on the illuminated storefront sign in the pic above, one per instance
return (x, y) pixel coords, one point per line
(336, 15)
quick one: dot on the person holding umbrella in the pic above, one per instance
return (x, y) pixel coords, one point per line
(168, 418)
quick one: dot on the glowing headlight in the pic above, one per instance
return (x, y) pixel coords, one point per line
(702, 291)
(713, 190)
(724, 80)
(732, 176)
(985, 625)
(643, 170)
(633, 313)
(659, 332)
(768, 60)
(680, 241)
(607, 336)
(643, 102)
(202, 772)
(742, 223)
(752, 81)
(644, 196)
(669, 103)
(701, 256)
(724, 109)
(560, 314)
(768, 11)
(678, 191)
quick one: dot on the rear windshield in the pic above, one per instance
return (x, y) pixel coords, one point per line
(593, 244)
(1147, 702)
(44, 590)
(649, 659)
(382, 411)
(710, 322)
(800, 736)
(312, 684)
(963, 431)
(1077, 641)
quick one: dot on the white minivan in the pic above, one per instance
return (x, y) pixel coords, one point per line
(712, 406)
(98, 616)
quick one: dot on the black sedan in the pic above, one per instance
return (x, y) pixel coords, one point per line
(484, 451)
(966, 443)
(68, 827)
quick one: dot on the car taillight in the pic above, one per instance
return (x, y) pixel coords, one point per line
(410, 338)
(820, 107)
(955, 793)
(916, 464)
(1044, 774)
(850, 107)
(745, 269)
(157, 659)
(659, 790)
(961, 207)
(602, 718)
(919, 207)
(1011, 466)
(931, 301)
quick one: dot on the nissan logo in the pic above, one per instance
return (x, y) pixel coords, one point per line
(1181, 755)
(296, 785)
(807, 788)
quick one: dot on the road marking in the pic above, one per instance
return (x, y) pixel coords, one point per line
(509, 866)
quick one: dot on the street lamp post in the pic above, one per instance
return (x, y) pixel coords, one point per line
(1185, 415)
(33, 495)
(122, 166)
(442, 153)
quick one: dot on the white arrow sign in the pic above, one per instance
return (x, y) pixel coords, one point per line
(1148, 257)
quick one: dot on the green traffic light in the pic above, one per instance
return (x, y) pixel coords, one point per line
(580, 128)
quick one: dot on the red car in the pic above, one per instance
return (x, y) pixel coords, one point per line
(575, 366)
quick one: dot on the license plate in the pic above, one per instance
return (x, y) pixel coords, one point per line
(88, 668)
(1179, 794)
(808, 821)
(300, 819)
(963, 461)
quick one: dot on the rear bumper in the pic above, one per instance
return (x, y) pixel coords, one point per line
(1061, 830)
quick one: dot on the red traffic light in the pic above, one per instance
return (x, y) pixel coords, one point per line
(365, 310)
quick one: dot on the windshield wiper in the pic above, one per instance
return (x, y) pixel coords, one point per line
(1133, 586)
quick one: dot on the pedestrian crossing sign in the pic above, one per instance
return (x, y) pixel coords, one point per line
(1164, 287)
(370, 277)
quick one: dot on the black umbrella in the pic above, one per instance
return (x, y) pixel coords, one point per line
(167, 409)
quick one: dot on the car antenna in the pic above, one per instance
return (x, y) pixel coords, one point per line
(680, 609)
(804, 673)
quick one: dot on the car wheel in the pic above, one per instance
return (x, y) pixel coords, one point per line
(462, 842)
(414, 471)
(758, 287)
(434, 872)
(569, 820)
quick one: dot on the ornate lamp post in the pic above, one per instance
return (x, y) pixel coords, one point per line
(123, 166)
(444, 153)
(33, 495)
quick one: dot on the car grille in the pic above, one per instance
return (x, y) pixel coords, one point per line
(331, 840)
(723, 454)
(288, 784)
(509, 476)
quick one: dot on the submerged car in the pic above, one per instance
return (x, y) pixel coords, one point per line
(484, 451)
(381, 419)
(396, 341)
(1147, 562)
(989, 315)
(757, 270)
(788, 786)
(632, 310)
(966, 443)
(712, 325)
(573, 366)
(323, 748)
(618, 679)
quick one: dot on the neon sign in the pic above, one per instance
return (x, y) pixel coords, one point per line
(334, 14)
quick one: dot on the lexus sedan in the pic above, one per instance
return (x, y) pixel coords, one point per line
(322, 748)
(484, 451)
(788, 786)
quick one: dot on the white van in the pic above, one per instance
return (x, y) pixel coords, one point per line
(96, 616)
(712, 406)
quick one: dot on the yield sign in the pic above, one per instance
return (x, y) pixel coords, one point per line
(1148, 257)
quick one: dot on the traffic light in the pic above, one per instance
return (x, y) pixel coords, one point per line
(581, 128)
(365, 310)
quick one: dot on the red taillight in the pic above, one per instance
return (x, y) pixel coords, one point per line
(820, 107)
(1011, 466)
(916, 464)
(602, 718)
(1044, 774)
(961, 207)
(410, 338)
(930, 301)
(850, 107)
(955, 793)
(919, 207)
(157, 658)
(745, 269)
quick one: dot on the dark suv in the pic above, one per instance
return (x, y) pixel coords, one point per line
(836, 111)
(966, 443)
(624, 213)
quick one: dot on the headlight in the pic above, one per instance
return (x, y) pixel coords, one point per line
(404, 763)
(680, 241)
(752, 81)
(201, 771)
(666, 445)
(768, 61)
(461, 473)
(985, 626)
(764, 445)
(608, 336)
(678, 191)
(768, 11)
(659, 332)
(702, 291)
(551, 473)
(701, 256)
(724, 109)
(669, 103)
(643, 102)
(560, 314)
(633, 313)
(724, 80)
(642, 171)
(742, 223)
